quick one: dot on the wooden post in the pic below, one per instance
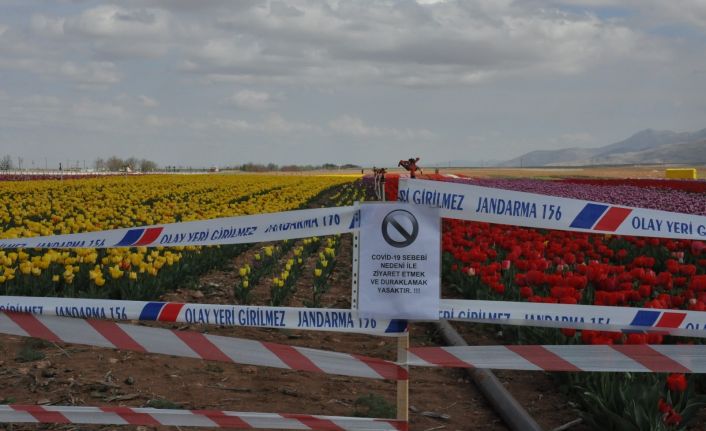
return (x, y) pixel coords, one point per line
(403, 385)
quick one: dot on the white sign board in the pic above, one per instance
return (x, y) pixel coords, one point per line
(400, 261)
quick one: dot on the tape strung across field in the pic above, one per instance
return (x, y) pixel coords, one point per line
(638, 358)
(197, 418)
(484, 204)
(228, 230)
(322, 319)
(673, 322)
(190, 344)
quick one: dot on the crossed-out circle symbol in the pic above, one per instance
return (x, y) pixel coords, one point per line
(400, 228)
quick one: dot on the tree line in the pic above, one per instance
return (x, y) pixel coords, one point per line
(258, 167)
(115, 164)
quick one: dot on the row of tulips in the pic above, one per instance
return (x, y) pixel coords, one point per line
(323, 269)
(53, 207)
(285, 261)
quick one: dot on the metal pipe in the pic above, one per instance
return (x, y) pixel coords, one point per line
(507, 407)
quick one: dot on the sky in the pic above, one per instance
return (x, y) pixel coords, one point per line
(219, 83)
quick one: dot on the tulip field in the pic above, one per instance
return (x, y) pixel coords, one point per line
(480, 261)
(499, 262)
(33, 208)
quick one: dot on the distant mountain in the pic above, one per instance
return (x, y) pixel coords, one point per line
(687, 153)
(647, 146)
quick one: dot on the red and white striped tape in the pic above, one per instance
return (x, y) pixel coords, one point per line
(197, 418)
(189, 344)
(637, 358)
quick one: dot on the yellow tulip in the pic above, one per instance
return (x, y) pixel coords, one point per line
(115, 272)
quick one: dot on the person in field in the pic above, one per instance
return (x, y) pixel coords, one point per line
(411, 166)
(381, 184)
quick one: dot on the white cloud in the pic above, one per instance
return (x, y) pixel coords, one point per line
(111, 31)
(148, 102)
(272, 124)
(354, 126)
(93, 73)
(116, 21)
(92, 109)
(444, 43)
(47, 25)
(253, 100)
(159, 121)
(41, 101)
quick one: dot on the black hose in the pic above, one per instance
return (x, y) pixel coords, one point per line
(504, 404)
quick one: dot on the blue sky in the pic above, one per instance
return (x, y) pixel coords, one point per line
(221, 83)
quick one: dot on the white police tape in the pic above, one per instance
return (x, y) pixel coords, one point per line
(636, 358)
(319, 319)
(483, 204)
(191, 344)
(112, 415)
(228, 230)
(596, 317)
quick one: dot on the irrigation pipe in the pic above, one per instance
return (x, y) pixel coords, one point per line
(507, 407)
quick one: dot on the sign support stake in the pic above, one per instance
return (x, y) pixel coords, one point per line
(355, 267)
(403, 385)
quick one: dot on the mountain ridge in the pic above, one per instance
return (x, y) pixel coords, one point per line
(644, 147)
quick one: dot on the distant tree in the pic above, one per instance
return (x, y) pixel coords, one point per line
(114, 163)
(292, 168)
(147, 165)
(257, 167)
(133, 163)
(350, 166)
(6, 163)
(99, 164)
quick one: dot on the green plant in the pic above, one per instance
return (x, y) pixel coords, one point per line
(633, 401)
(374, 406)
(161, 403)
(30, 352)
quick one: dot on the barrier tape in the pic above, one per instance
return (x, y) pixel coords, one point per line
(598, 317)
(484, 204)
(627, 319)
(321, 319)
(227, 230)
(636, 358)
(16, 413)
(190, 344)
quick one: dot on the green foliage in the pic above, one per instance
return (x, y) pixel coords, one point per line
(374, 406)
(161, 403)
(629, 401)
(30, 350)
